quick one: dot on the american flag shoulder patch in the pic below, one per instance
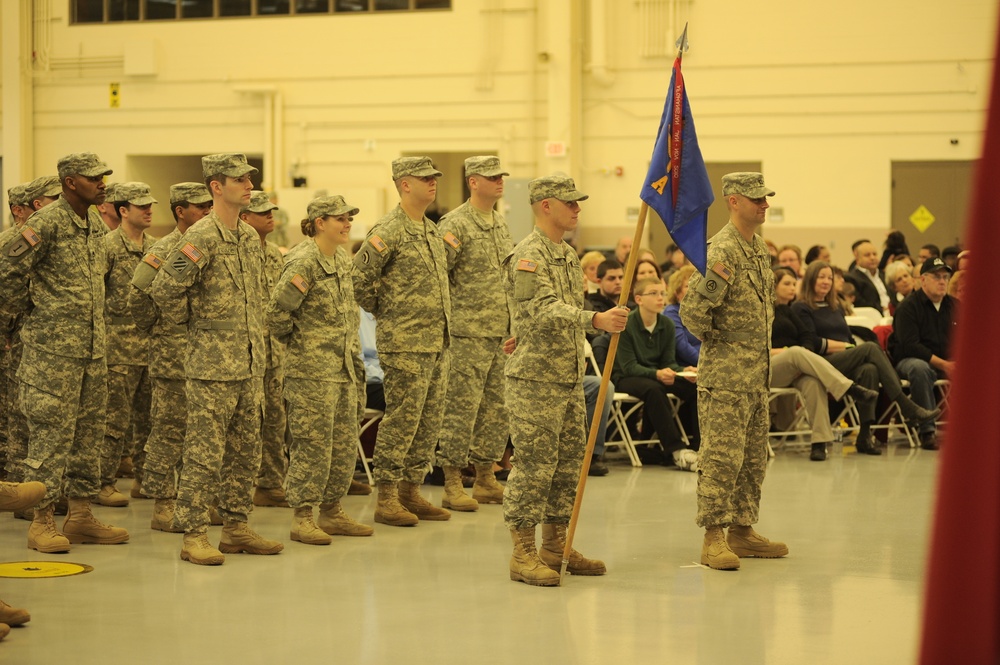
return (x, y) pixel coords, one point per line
(300, 283)
(452, 240)
(153, 260)
(722, 271)
(191, 252)
(29, 234)
(378, 244)
(527, 266)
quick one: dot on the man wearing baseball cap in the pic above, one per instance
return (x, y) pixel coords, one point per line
(921, 340)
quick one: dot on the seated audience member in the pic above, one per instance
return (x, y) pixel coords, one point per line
(827, 333)
(899, 279)
(772, 249)
(591, 387)
(894, 249)
(928, 252)
(818, 253)
(589, 263)
(611, 276)
(688, 346)
(667, 266)
(956, 284)
(646, 367)
(644, 269)
(950, 256)
(869, 283)
(794, 365)
(790, 256)
(847, 295)
(962, 262)
(373, 370)
(646, 254)
(622, 249)
(920, 340)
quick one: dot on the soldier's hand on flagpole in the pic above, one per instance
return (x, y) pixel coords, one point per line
(612, 321)
(509, 346)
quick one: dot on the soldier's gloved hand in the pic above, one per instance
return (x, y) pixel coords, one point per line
(612, 321)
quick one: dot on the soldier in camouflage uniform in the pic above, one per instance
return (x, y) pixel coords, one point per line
(42, 191)
(544, 393)
(58, 257)
(212, 282)
(313, 309)
(401, 277)
(731, 310)
(189, 202)
(128, 346)
(475, 422)
(274, 448)
(109, 213)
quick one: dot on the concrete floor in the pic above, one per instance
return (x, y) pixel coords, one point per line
(849, 591)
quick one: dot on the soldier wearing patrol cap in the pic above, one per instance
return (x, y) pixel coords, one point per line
(544, 392)
(211, 282)
(59, 254)
(109, 213)
(42, 191)
(128, 345)
(401, 277)
(313, 309)
(475, 422)
(19, 204)
(731, 309)
(189, 202)
(259, 214)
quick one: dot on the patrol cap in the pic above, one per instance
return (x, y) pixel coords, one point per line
(47, 185)
(232, 164)
(136, 193)
(330, 206)
(259, 203)
(484, 165)
(554, 187)
(934, 264)
(745, 183)
(192, 192)
(18, 196)
(111, 191)
(82, 163)
(415, 166)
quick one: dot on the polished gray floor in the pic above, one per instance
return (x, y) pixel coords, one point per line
(849, 592)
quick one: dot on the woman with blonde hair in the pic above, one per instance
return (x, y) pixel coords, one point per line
(589, 263)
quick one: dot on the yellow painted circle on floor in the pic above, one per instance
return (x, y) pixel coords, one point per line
(40, 569)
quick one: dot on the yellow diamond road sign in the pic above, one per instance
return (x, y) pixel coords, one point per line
(922, 218)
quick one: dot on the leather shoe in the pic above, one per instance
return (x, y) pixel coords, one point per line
(598, 467)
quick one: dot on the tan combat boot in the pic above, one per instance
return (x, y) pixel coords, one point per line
(334, 521)
(486, 489)
(163, 516)
(136, 491)
(26, 514)
(125, 468)
(197, 549)
(13, 616)
(715, 551)
(270, 497)
(744, 541)
(82, 527)
(305, 531)
(551, 554)
(43, 535)
(525, 566)
(454, 494)
(409, 497)
(214, 518)
(110, 496)
(238, 537)
(389, 510)
(359, 488)
(20, 496)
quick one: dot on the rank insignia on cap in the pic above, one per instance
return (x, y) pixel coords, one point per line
(722, 271)
(378, 244)
(527, 266)
(452, 240)
(153, 260)
(30, 235)
(191, 252)
(300, 283)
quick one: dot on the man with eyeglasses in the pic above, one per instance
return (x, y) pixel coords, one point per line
(63, 373)
(730, 309)
(401, 278)
(475, 423)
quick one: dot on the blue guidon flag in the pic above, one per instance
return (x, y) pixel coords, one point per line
(677, 185)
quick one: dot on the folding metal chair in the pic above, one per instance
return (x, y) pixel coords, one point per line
(372, 416)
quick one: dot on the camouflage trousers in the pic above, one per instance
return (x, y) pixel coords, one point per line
(221, 451)
(415, 388)
(64, 401)
(547, 426)
(165, 445)
(6, 401)
(475, 421)
(128, 412)
(16, 426)
(274, 444)
(323, 421)
(733, 456)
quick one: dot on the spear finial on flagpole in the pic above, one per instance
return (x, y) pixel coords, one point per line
(682, 42)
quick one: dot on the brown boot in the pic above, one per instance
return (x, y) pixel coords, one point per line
(359, 488)
(304, 529)
(136, 491)
(214, 518)
(110, 496)
(715, 551)
(163, 517)
(26, 514)
(125, 468)
(486, 489)
(238, 537)
(551, 554)
(525, 566)
(454, 494)
(197, 549)
(13, 616)
(389, 510)
(270, 497)
(409, 496)
(19, 496)
(334, 521)
(744, 542)
(43, 535)
(82, 527)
